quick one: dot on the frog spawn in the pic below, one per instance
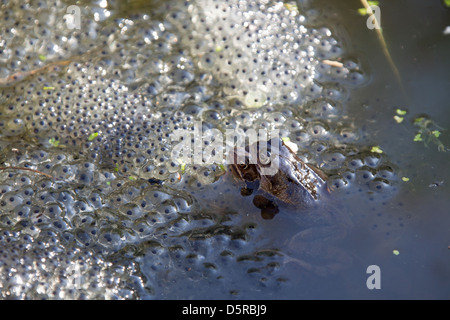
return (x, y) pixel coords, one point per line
(50, 269)
(94, 222)
(103, 119)
(230, 40)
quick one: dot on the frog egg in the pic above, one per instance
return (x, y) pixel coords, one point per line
(332, 160)
(336, 93)
(155, 196)
(182, 77)
(348, 135)
(364, 176)
(110, 239)
(131, 211)
(302, 137)
(12, 127)
(207, 61)
(82, 206)
(4, 188)
(244, 119)
(206, 176)
(319, 147)
(23, 180)
(386, 172)
(312, 91)
(372, 160)
(26, 192)
(212, 116)
(276, 118)
(356, 78)
(339, 73)
(10, 200)
(323, 108)
(142, 229)
(294, 125)
(255, 99)
(318, 129)
(349, 176)
(178, 18)
(380, 185)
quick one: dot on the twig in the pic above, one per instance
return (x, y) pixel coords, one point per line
(27, 169)
(386, 52)
(19, 76)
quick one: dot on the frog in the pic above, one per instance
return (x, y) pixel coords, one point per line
(294, 183)
(300, 189)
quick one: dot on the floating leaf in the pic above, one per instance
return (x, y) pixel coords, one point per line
(362, 11)
(418, 120)
(398, 119)
(42, 57)
(400, 112)
(418, 137)
(396, 252)
(54, 142)
(376, 149)
(132, 178)
(436, 133)
(447, 3)
(405, 179)
(49, 88)
(92, 136)
(291, 7)
(183, 167)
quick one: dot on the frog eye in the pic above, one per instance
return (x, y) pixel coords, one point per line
(243, 166)
(264, 157)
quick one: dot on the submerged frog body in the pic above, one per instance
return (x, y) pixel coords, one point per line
(293, 182)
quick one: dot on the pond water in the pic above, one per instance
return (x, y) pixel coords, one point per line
(419, 49)
(119, 218)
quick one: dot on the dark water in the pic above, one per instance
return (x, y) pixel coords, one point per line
(416, 222)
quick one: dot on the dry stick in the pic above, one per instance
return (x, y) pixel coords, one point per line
(21, 75)
(27, 169)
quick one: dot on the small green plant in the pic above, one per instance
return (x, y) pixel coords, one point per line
(429, 132)
(92, 136)
(54, 142)
(376, 149)
(363, 11)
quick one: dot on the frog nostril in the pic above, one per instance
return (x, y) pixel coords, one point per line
(246, 192)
